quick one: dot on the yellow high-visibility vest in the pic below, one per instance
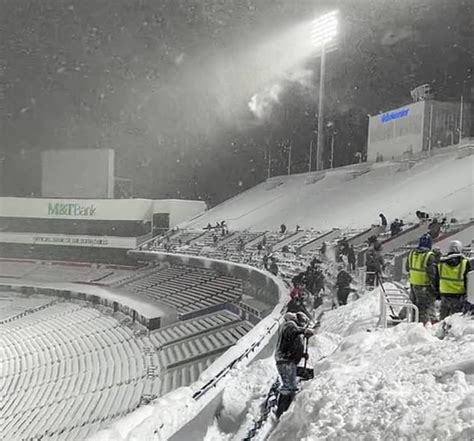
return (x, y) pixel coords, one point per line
(451, 278)
(418, 268)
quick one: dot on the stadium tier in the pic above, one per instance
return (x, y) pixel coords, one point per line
(187, 289)
(66, 367)
(352, 196)
(69, 369)
(57, 271)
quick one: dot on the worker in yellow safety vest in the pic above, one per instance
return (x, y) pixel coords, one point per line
(421, 266)
(453, 270)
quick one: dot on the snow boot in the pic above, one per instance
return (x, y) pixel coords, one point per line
(284, 402)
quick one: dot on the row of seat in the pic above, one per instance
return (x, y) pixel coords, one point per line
(67, 371)
(188, 328)
(16, 304)
(186, 276)
(74, 414)
(188, 289)
(196, 347)
(185, 375)
(45, 349)
(194, 299)
(50, 313)
(15, 269)
(308, 236)
(182, 239)
(179, 376)
(47, 272)
(240, 239)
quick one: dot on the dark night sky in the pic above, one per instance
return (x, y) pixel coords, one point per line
(167, 83)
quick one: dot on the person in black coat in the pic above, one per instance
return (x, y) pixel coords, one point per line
(351, 259)
(343, 285)
(289, 352)
(323, 249)
(383, 220)
(422, 216)
(374, 263)
(434, 228)
(273, 268)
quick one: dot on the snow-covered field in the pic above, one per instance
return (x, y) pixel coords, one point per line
(403, 383)
(353, 197)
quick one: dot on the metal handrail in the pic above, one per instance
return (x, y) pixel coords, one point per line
(386, 301)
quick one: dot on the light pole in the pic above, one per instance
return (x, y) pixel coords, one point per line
(289, 158)
(323, 32)
(333, 135)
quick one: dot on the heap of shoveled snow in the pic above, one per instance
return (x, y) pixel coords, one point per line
(406, 382)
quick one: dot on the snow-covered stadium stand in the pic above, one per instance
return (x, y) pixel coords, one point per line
(214, 315)
(67, 368)
(98, 364)
(353, 196)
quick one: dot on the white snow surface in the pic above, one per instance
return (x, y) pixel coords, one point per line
(401, 383)
(353, 196)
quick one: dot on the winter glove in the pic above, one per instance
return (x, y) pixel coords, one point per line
(308, 333)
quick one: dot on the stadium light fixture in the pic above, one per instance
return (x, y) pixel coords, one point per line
(324, 31)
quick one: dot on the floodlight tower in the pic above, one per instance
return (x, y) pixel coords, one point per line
(324, 30)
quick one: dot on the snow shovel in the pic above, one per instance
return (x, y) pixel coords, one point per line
(304, 372)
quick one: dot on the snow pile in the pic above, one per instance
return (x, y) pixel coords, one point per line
(352, 196)
(360, 315)
(407, 382)
(174, 408)
(401, 383)
(247, 389)
(244, 393)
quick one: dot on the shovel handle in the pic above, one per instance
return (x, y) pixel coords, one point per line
(305, 351)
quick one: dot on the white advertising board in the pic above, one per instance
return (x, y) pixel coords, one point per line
(84, 173)
(68, 240)
(396, 133)
(85, 209)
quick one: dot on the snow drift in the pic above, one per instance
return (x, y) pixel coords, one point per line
(404, 383)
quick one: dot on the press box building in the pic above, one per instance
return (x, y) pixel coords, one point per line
(415, 128)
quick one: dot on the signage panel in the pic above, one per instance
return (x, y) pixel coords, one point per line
(69, 240)
(83, 209)
(396, 133)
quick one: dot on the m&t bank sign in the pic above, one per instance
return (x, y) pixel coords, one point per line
(397, 114)
(71, 209)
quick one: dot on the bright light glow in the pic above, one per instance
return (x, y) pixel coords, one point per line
(324, 29)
